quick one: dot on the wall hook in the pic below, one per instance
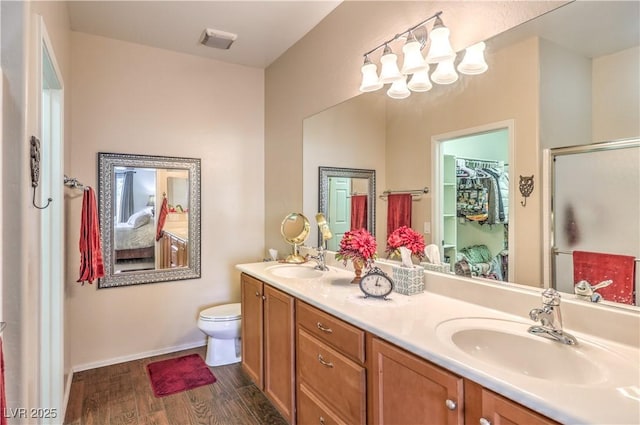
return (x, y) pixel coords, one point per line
(35, 170)
(526, 187)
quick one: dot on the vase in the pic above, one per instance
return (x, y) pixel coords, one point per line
(357, 267)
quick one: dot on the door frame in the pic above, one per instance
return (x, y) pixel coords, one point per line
(437, 200)
(51, 392)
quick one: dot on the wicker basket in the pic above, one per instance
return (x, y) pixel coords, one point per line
(442, 268)
(408, 281)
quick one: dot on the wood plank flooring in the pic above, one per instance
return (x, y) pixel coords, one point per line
(122, 394)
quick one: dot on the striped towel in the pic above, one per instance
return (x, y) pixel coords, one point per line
(91, 265)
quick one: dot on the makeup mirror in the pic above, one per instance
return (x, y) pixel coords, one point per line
(295, 230)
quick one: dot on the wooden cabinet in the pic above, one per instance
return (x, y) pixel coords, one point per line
(173, 251)
(331, 376)
(318, 369)
(485, 407)
(409, 390)
(268, 342)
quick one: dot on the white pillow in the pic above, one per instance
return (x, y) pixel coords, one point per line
(140, 218)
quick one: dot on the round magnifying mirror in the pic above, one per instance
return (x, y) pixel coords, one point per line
(295, 230)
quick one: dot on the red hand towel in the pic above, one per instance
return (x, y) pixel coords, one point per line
(398, 211)
(594, 267)
(91, 265)
(162, 217)
(359, 212)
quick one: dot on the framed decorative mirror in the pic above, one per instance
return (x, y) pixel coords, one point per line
(149, 218)
(346, 197)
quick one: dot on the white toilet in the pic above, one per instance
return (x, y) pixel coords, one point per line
(222, 325)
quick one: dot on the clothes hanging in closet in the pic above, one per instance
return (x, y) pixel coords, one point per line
(482, 192)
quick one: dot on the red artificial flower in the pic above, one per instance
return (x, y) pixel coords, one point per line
(357, 245)
(407, 237)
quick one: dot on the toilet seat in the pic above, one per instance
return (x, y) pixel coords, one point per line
(221, 313)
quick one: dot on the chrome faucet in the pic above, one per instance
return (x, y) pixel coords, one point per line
(550, 319)
(320, 259)
(587, 292)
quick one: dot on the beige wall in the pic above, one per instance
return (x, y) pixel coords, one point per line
(323, 69)
(350, 135)
(128, 98)
(616, 111)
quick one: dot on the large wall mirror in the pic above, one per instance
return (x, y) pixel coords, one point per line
(149, 218)
(346, 197)
(566, 78)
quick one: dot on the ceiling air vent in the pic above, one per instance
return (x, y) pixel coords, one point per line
(217, 39)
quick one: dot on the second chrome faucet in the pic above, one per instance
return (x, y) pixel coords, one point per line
(550, 319)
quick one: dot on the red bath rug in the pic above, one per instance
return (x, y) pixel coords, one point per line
(180, 374)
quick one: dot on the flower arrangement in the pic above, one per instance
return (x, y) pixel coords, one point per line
(357, 246)
(405, 237)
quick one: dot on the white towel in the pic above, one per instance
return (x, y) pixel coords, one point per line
(432, 252)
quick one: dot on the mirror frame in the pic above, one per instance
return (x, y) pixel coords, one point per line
(323, 193)
(106, 178)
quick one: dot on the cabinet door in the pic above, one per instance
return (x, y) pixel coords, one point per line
(497, 410)
(252, 336)
(409, 390)
(279, 369)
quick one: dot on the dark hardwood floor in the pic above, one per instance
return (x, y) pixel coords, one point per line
(122, 394)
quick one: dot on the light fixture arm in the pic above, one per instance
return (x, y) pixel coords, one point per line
(408, 30)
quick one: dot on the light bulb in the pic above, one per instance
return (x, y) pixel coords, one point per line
(370, 80)
(440, 49)
(413, 60)
(473, 62)
(389, 72)
(445, 73)
(420, 81)
(398, 89)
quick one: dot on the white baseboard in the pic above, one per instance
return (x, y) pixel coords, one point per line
(67, 391)
(122, 359)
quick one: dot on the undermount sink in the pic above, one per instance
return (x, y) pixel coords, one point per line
(508, 346)
(294, 271)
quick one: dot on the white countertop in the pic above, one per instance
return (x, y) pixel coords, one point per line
(411, 322)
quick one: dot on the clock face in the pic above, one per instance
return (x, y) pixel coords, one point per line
(376, 284)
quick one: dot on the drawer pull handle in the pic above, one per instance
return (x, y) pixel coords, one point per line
(326, 363)
(484, 421)
(321, 420)
(323, 329)
(451, 405)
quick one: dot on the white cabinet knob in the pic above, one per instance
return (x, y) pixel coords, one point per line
(484, 421)
(451, 405)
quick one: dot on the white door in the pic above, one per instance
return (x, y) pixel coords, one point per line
(339, 219)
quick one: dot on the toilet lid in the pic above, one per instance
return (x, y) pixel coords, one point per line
(221, 313)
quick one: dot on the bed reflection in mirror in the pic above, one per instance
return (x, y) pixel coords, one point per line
(150, 218)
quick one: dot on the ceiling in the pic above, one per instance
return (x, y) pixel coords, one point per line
(265, 29)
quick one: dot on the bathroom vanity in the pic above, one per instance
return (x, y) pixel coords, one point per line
(437, 357)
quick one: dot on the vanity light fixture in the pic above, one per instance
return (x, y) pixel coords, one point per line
(415, 67)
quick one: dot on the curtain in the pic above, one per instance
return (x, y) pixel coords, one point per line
(359, 212)
(162, 216)
(398, 211)
(126, 197)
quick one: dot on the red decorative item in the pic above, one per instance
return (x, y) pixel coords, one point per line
(407, 237)
(179, 374)
(360, 247)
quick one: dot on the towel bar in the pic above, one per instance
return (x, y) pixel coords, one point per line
(557, 251)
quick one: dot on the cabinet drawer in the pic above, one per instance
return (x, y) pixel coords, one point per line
(337, 380)
(313, 411)
(346, 338)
